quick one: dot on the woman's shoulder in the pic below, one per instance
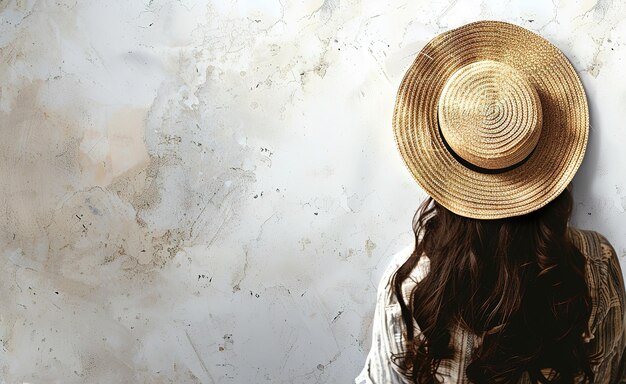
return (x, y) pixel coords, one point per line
(593, 244)
(419, 271)
(605, 274)
(605, 278)
(606, 283)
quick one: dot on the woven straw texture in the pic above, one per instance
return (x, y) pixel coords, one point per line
(491, 120)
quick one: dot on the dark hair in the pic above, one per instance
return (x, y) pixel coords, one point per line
(521, 272)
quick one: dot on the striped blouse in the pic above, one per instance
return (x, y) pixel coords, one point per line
(606, 329)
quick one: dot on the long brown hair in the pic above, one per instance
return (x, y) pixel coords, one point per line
(521, 273)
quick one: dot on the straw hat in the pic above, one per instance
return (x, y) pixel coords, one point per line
(491, 120)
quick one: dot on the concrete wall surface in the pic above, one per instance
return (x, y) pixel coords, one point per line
(209, 191)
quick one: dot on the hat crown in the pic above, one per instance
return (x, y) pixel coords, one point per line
(490, 115)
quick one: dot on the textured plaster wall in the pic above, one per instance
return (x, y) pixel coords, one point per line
(207, 192)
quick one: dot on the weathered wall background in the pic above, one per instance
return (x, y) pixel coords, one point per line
(207, 192)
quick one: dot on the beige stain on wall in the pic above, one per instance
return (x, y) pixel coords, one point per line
(38, 162)
(120, 148)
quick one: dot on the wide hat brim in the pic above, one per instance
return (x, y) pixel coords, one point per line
(564, 130)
